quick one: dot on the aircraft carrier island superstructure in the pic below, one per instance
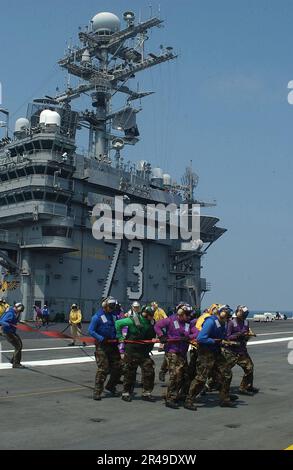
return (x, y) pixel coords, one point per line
(48, 190)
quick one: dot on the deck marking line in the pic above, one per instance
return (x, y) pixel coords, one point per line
(48, 392)
(78, 360)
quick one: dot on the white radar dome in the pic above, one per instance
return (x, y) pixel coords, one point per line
(106, 23)
(167, 179)
(157, 173)
(48, 117)
(21, 124)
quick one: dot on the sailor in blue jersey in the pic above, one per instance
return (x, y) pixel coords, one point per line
(45, 315)
(8, 323)
(102, 328)
(211, 360)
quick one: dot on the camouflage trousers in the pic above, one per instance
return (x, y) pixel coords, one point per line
(210, 362)
(178, 376)
(108, 362)
(245, 362)
(164, 366)
(192, 369)
(16, 342)
(192, 363)
(147, 365)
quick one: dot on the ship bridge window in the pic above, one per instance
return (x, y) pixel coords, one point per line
(2, 202)
(4, 177)
(37, 145)
(10, 200)
(50, 171)
(13, 152)
(52, 231)
(19, 197)
(29, 147)
(21, 172)
(47, 144)
(28, 196)
(40, 169)
(62, 198)
(39, 195)
(29, 170)
(51, 197)
(20, 150)
(12, 174)
(57, 148)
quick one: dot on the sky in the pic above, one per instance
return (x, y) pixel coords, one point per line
(222, 104)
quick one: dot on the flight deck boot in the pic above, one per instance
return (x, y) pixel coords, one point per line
(172, 404)
(126, 397)
(188, 405)
(112, 391)
(97, 396)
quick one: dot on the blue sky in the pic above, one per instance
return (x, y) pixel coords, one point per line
(222, 103)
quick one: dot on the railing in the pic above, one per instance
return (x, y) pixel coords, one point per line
(36, 180)
(34, 156)
(205, 286)
(34, 209)
(9, 237)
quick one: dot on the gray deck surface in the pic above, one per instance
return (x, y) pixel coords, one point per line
(51, 407)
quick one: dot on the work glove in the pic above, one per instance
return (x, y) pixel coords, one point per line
(218, 341)
(121, 346)
(163, 339)
(184, 338)
(241, 335)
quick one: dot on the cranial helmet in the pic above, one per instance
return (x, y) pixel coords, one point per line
(19, 307)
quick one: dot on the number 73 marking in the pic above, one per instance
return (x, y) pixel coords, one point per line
(137, 269)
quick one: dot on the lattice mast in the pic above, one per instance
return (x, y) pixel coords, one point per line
(105, 60)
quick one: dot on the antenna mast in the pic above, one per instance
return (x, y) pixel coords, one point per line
(105, 60)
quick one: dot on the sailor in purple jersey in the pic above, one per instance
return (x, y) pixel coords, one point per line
(164, 366)
(195, 331)
(177, 328)
(193, 351)
(238, 330)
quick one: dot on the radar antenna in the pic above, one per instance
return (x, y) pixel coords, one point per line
(189, 181)
(105, 60)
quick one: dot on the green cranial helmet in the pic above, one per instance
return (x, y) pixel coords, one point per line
(148, 310)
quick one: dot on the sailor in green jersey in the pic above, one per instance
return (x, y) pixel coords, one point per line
(140, 327)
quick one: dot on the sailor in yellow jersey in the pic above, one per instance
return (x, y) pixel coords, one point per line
(210, 311)
(3, 306)
(75, 318)
(160, 314)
